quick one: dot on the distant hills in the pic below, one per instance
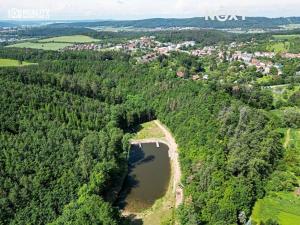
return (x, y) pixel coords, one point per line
(198, 22)
(7, 24)
(18, 23)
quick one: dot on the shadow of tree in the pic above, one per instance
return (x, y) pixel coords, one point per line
(149, 158)
(130, 183)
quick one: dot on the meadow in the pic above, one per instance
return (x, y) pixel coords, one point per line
(278, 47)
(55, 43)
(286, 37)
(12, 62)
(284, 207)
(70, 39)
(148, 130)
(285, 43)
(44, 46)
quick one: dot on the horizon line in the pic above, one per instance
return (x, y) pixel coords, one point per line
(136, 19)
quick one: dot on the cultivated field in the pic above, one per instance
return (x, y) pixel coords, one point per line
(55, 43)
(70, 39)
(44, 46)
(12, 62)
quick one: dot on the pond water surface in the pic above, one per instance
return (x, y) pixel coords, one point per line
(148, 178)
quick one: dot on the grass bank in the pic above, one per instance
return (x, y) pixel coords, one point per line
(70, 39)
(13, 62)
(283, 207)
(37, 45)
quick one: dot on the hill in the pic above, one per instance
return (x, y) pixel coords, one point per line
(199, 22)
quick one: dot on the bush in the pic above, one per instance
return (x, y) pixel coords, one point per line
(281, 181)
(292, 117)
(271, 222)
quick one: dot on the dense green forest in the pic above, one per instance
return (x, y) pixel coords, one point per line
(64, 138)
(43, 31)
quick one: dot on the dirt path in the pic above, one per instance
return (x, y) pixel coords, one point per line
(287, 138)
(173, 153)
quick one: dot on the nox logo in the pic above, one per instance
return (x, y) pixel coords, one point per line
(223, 18)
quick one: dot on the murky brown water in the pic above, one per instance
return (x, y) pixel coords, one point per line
(148, 178)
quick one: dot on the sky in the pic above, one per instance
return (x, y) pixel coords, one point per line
(141, 9)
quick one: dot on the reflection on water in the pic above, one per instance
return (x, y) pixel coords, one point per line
(148, 178)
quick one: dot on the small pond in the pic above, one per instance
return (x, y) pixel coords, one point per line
(148, 178)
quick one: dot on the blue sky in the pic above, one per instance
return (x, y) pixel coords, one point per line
(137, 9)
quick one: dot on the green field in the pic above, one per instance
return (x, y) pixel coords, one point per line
(55, 43)
(12, 62)
(286, 37)
(70, 39)
(284, 207)
(44, 46)
(148, 130)
(278, 47)
(285, 43)
(265, 79)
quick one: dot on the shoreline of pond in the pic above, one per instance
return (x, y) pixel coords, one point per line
(174, 187)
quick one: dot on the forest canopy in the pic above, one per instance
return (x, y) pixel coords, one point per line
(64, 138)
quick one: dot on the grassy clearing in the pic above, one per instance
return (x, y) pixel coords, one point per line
(278, 47)
(55, 43)
(286, 37)
(265, 79)
(148, 130)
(284, 207)
(70, 39)
(43, 46)
(13, 62)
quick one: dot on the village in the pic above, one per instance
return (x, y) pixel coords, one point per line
(147, 49)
